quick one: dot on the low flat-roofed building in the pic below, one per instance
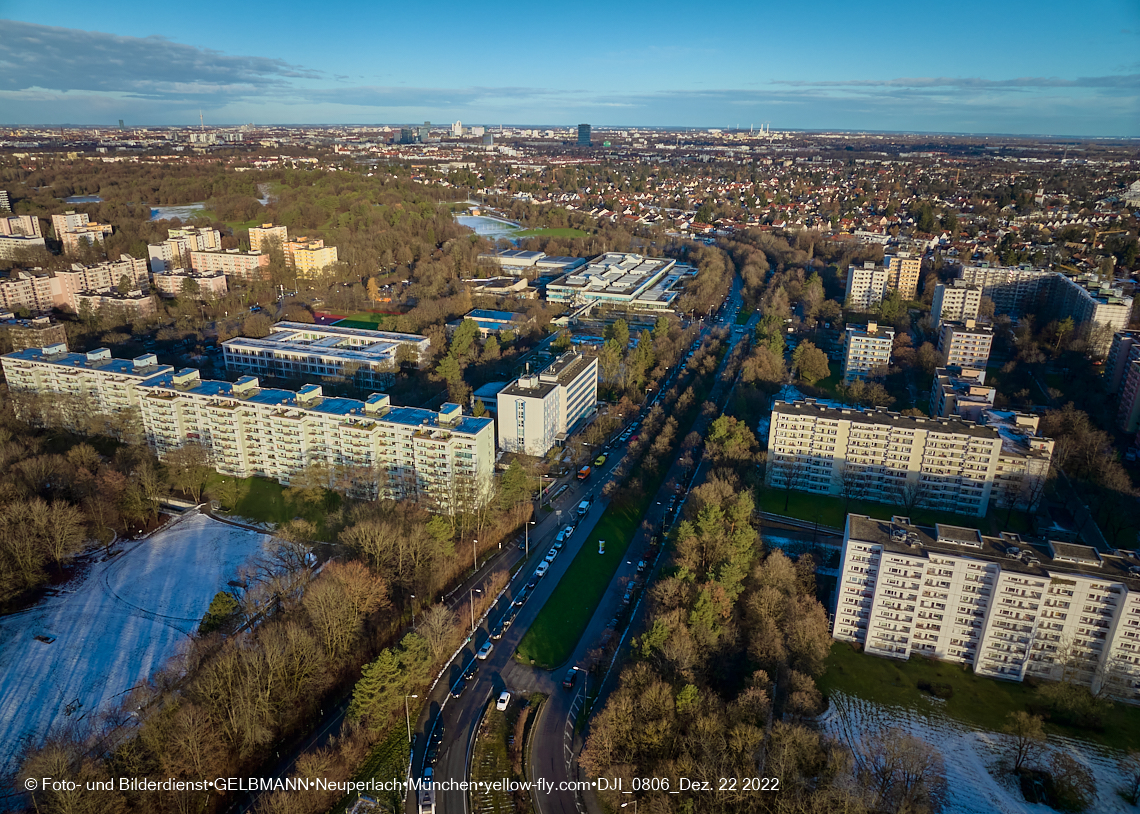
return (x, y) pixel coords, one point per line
(962, 392)
(1006, 607)
(299, 350)
(493, 322)
(538, 411)
(621, 280)
(502, 287)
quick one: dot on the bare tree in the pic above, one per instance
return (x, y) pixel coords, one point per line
(910, 494)
(1027, 737)
(188, 467)
(902, 773)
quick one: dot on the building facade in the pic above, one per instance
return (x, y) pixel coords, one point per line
(12, 247)
(956, 302)
(537, 412)
(1015, 290)
(309, 257)
(866, 351)
(903, 272)
(262, 237)
(174, 252)
(866, 286)
(934, 463)
(965, 344)
(205, 284)
(961, 392)
(1006, 608)
(232, 263)
(28, 225)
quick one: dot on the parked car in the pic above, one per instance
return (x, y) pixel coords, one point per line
(550, 555)
(571, 677)
(504, 699)
(583, 507)
(543, 567)
(485, 651)
(600, 460)
(497, 631)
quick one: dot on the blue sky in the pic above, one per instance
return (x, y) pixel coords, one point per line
(994, 67)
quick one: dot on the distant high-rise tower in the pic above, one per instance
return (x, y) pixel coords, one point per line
(121, 126)
(425, 131)
(583, 135)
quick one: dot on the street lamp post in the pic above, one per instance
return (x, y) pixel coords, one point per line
(413, 613)
(408, 715)
(471, 603)
(474, 556)
(526, 532)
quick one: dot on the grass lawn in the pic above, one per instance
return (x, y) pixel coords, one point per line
(555, 633)
(828, 510)
(366, 319)
(263, 499)
(981, 702)
(543, 231)
(744, 315)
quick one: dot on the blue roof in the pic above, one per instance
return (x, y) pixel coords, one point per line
(80, 360)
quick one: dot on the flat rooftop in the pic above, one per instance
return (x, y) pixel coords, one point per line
(956, 426)
(142, 367)
(616, 273)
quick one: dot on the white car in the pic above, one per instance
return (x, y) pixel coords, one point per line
(551, 554)
(485, 651)
(504, 699)
(543, 567)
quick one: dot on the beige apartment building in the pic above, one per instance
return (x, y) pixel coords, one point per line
(41, 291)
(956, 302)
(28, 225)
(172, 253)
(903, 272)
(965, 344)
(934, 463)
(1005, 607)
(75, 229)
(1122, 378)
(866, 351)
(263, 236)
(13, 246)
(172, 283)
(309, 257)
(232, 263)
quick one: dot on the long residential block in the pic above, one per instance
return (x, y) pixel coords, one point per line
(935, 463)
(1008, 608)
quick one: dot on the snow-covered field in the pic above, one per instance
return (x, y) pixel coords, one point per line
(113, 628)
(970, 755)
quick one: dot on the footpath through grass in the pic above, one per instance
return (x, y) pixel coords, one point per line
(978, 701)
(555, 633)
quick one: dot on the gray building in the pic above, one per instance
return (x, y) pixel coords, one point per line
(583, 135)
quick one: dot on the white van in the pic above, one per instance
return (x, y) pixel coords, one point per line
(583, 507)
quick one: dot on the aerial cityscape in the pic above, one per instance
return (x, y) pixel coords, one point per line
(727, 424)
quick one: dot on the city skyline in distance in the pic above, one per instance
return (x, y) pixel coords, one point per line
(898, 70)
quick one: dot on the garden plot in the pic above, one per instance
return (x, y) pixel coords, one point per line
(969, 755)
(76, 653)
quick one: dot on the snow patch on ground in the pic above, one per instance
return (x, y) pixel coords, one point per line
(113, 628)
(969, 754)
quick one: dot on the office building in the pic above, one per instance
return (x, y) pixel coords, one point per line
(624, 281)
(262, 237)
(522, 263)
(961, 392)
(37, 332)
(866, 286)
(77, 386)
(583, 135)
(369, 448)
(15, 247)
(457, 129)
(493, 322)
(309, 257)
(956, 302)
(27, 225)
(232, 263)
(965, 344)
(298, 350)
(202, 285)
(934, 463)
(903, 272)
(866, 351)
(1006, 607)
(536, 412)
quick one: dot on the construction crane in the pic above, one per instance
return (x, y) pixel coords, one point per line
(1097, 234)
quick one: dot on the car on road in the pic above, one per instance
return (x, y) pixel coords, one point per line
(600, 460)
(429, 772)
(497, 631)
(456, 690)
(485, 651)
(518, 601)
(583, 507)
(471, 671)
(641, 566)
(504, 699)
(571, 678)
(543, 567)
(550, 555)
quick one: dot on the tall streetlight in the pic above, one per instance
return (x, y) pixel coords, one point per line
(408, 715)
(471, 603)
(413, 613)
(526, 533)
(474, 556)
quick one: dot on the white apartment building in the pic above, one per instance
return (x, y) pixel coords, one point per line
(1005, 607)
(263, 236)
(28, 225)
(80, 382)
(934, 463)
(535, 412)
(866, 286)
(866, 351)
(298, 350)
(13, 246)
(965, 344)
(961, 392)
(956, 302)
(1015, 290)
(171, 283)
(1122, 378)
(371, 449)
(172, 253)
(903, 272)
(232, 263)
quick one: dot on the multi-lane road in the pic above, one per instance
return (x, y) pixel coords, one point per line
(446, 728)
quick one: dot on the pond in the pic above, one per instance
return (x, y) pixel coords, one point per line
(82, 199)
